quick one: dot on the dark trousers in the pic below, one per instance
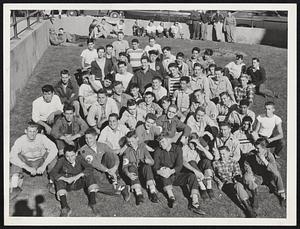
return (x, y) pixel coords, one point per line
(196, 30)
(277, 145)
(144, 171)
(203, 164)
(83, 182)
(181, 179)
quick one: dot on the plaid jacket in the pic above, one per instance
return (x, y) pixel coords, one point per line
(225, 171)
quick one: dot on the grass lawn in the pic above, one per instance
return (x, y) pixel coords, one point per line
(47, 72)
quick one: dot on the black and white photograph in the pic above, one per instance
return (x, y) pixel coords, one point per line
(149, 114)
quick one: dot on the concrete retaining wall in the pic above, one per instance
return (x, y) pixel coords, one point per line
(79, 25)
(25, 53)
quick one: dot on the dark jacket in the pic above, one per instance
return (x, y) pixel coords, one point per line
(144, 80)
(257, 77)
(172, 159)
(96, 70)
(71, 88)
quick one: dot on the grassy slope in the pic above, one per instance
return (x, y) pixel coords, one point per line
(56, 58)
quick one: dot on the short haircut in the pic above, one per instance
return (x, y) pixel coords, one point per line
(145, 58)
(121, 62)
(47, 88)
(165, 98)
(101, 48)
(157, 78)
(172, 65)
(197, 65)
(245, 76)
(244, 102)
(113, 115)
(219, 69)
(61, 28)
(212, 65)
(153, 52)
(64, 72)
(247, 119)
(196, 49)
(102, 91)
(109, 46)
(269, 103)
(135, 40)
(201, 108)
(208, 52)
(131, 134)
(68, 107)
(185, 79)
(131, 102)
(151, 38)
(117, 83)
(261, 141)
(69, 148)
(224, 148)
(162, 136)
(122, 54)
(151, 116)
(255, 58)
(149, 93)
(90, 40)
(121, 32)
(122, 20)
(239, 56)
(224, 93)
(133, 85)
(180, 54)
(224, 123)
(91, 131)
(32, 124)
(168, 48)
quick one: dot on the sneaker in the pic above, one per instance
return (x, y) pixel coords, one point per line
(204, 195)
(171, 202)
(126, 193)
(211, 194)
(15, 192)
(153, 197)
(95, 209)
(65, 212)
(51, 188)
(197, 210)
(139, 199)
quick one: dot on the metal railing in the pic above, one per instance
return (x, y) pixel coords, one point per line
(37, 14)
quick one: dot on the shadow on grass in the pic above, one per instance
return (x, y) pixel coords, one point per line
(22, 208)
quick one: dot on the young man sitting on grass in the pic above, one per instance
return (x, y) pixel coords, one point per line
(46, 109)
(137, 163)
(228, 176)
(149, 106)
(32, 152)
(266, 124)
(197, 159)
(104, 161)
(72, 172)
(168, 163)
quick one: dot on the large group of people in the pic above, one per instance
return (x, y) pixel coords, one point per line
(149, 116)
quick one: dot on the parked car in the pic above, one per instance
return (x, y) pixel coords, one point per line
(274, 20)
(159, 15)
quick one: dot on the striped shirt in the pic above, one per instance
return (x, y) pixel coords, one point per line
(135, 57)
(173, 84)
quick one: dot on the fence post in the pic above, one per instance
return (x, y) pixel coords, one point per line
(15, 25)
(28, 20)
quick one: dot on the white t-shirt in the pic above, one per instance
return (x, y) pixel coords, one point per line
(89, 95)
(190, 155)
(89, 56)
(267, 124)
(112, 138)
(151, 29)
(125, 79)
(41, 110)
(234, 69)
(158, 93)
(155, 47)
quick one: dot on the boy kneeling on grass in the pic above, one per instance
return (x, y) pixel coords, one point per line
(72, 172)
(228, 176)
(137, 161)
